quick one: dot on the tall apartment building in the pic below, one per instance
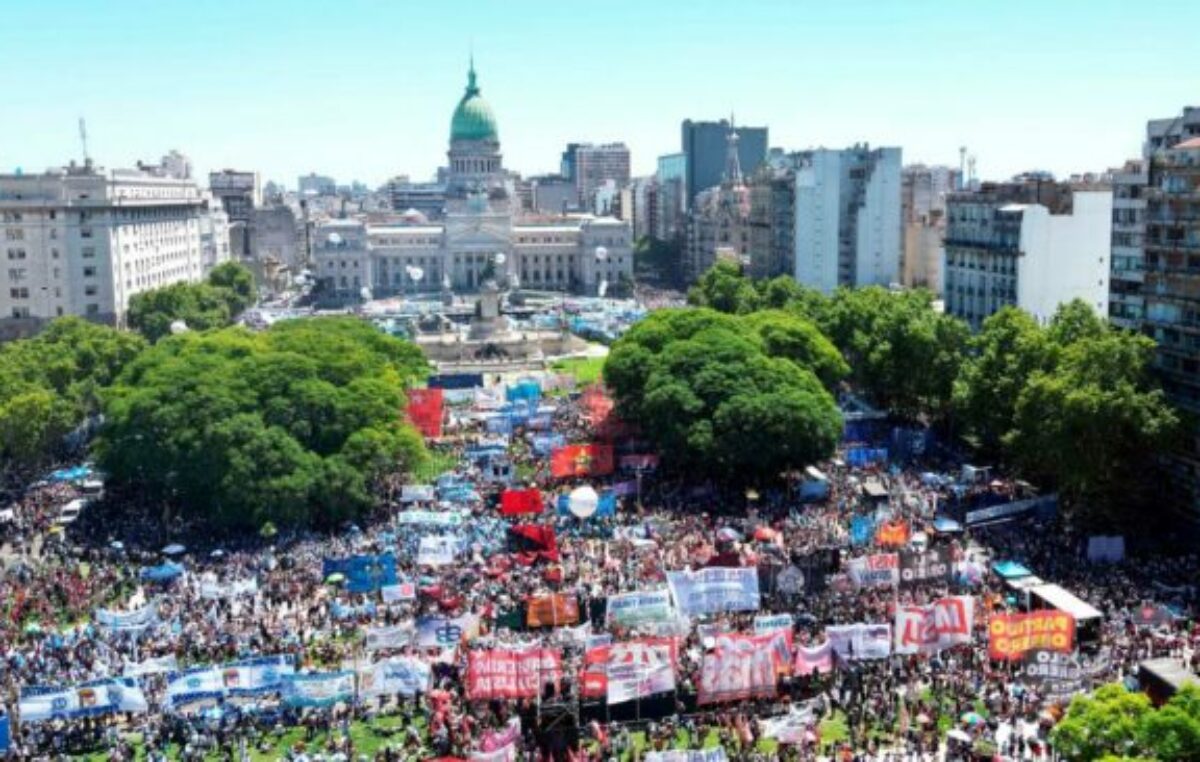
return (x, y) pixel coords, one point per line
(772, 221)
(703, 143)
(82, 241)
(597, 165)
(1126, 306)
(1033, 243)
(847, 229)
(673, 200)
(923, 192)
(240, 194)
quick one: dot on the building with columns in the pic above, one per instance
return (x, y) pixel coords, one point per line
(482, 219)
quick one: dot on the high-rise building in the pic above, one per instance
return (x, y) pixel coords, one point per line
(597, 165)
(1126, 306)
(772, 220)
(644, 203)
(240, 194)
(847, 230)
(554, 194)
(567, 163)
(316, 185)
(82, 241)
(703, 143)
(1033, 243)
(672, 197)
(923, 192)
(718, 221)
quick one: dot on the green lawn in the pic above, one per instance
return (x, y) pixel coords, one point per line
(587, 370)
(437, 464)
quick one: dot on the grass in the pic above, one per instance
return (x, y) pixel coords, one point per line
(587, 370)
(434, 466)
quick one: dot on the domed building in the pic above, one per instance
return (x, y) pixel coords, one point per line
(576, 253)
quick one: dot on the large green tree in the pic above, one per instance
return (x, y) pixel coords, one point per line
(295, 425)
(725, 289)
(702, 386)
(1114, 723)
(215, 303)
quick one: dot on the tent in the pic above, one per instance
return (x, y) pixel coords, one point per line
(1010, 570)
(946, 525)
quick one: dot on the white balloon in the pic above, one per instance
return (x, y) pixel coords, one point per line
(583, 502)
(500, 258)
(416, 273)
(601, 253)
(178, 327)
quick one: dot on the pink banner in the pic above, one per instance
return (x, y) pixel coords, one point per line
(741, 667)
(810, 659)
(503, 673)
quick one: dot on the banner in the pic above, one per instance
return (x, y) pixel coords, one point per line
(425, 411)
(503, 754)
(630, 610)
(554, 610)
(495, 740)
(532, 542)
(5, 733)
(639, 669)
(703, 755)
(437, 550)
(929, 629)
(862, 529)
(715, 590)
(879, 570)
(213, 590)
(790, 728)
(581, 460)
(389, 638)
(638, 462)
(772, 623)
(860, 641)
(399, 675)
(741, 667)
(446, 519)
(341, 611)
(118, 694)
(892, 534)
(159, 665)
(508, 673)
(1010, 636)
(364, 574)
(605, 507)
(317, 688)
(443, 632)
(515, 502)
(810, 659)
(931, 566)
(417, 493)
(1057, 675)
(128, 620)
(401, 591)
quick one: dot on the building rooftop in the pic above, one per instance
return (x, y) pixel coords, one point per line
(1190, 144)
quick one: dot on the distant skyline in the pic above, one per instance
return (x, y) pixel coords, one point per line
(364, 89)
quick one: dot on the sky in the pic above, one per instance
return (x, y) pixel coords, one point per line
(364, 89)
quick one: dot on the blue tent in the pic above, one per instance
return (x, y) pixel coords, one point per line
(1010, 569)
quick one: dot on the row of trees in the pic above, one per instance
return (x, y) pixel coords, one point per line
(1117, 725)
(215, 303)
(295, 425)
(1071, 405)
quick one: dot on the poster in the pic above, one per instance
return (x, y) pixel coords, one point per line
(633, 609)
(554, 610)
(879, 570)
(929, 629)
(511, 673)
(1010, 636)
(715, 590)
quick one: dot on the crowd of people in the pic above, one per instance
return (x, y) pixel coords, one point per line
(223, 600)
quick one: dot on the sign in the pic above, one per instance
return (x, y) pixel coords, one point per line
(213, 590)
(399, 675)
(631, 610)
(159, 665)
(364, 574)
(703, 755)
(317, 688)
(118, 694)
(773, 623)
(515, 502)
(879, 570)
(416, 493)
(929, 629)
(446, 519)
(509, 673)
(401, 591)
(715, 590)
(581, 460)
(931, 566)
(810, 659)
(437, 550)
(128, 620)
(443, 632)
(389, 638)
(552, 610)
(741, 667)
(1010, 636)
(639, 669)
(1054, 672)
(860, 641)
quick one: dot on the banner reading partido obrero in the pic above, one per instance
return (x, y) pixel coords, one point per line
(1010, 636)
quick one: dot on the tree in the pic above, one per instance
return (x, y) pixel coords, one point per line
(238, 281)
(296, 425)
(725, 289)
(789, 336)
(1115, 724)
(226, 293)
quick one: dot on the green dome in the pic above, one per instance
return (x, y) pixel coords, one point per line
(473, 119)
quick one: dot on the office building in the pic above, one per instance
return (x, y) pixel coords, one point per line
(83, 241)
(240, 194)
(554, 194)
(1126, 306)
(596, 167)
(1033, 243)
(772, 219)
(673, 197)
(313, 184)
(704, 145)
(923, 192)
(847, 229)
(718, 221)
(427, 198)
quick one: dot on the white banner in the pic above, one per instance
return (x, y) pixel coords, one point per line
(701, 755)
(633, 609)
(401, 591)
(213, 590)
(444, 632)
(399, 675)
(317, 688)
(715, 590)
(879, 570)
(437, 550)
(503, 754)
(638, 669)
(120, 694)
(416, 493)
(791, 727)
(138, 619)
(861, 641)
(929, 629)
(159, 665)
(765, 624)
(430, 518)
(380, 638)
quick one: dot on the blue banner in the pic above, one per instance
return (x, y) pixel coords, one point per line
(341, 610)
(862, 530)
(524, 390)
(861, 457)
(161, 573)
(5, 733)
(715, 590)
(543, 444)
(364, 574)
(121, 694)
(456, 381)
(317, 688)
(605, 508)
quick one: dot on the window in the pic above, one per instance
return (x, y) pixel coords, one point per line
(92, 309)
(16, 253)
(89, 272)
(90, 290)
(19, 293)
(15, 234)
(87, 252)
(16, 273)
(20, 312)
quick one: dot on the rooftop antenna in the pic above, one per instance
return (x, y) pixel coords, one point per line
(971, 168)
(83, 139)
(962, 167)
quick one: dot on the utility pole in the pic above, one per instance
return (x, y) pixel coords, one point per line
(83, 140)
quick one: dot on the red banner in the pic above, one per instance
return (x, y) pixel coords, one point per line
(553, 610)
(514, 502)
(810, 659)
(594, 675)
(742, 667)
(1011, 635)
(508, 674)
(581, 460)
(425, 411)
(533, 542)
(596, 403)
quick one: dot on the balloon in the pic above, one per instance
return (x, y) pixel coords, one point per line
(583, 502)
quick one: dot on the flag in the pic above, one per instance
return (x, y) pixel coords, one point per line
(581, 460)
(425, 411)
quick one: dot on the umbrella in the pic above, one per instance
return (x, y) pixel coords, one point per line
(173, 549)
(117, 545)
(729, 534)
(218, 553)
(972, 718)
(335, 578)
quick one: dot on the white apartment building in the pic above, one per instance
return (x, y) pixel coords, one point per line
(848, 221)
(82, 241)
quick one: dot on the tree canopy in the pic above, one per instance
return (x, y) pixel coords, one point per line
(293, 425)
(1114, 723)
(704, 387)
(49, 385)
(215, 303)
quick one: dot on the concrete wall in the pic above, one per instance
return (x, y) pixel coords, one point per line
(1065, 257)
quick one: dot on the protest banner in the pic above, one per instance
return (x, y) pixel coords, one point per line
(634, 609)
(401, 591)
(317, 688)
(341, 610)
(5, 733)
(716, 754)
(790, 728)
(581, 460)
(814, 659)
(606, 506)
(425, 408)
(416, 493)
(862, 529)
(445, 519)
(1054, 673)
(516, 502)
(158, 665)
(114, 694)
(494, 740)
(363, 573)
(437, 550)
(443, 632)
(503, 754)
(399, 675)
(879, 570)
(715, 590)
(511, 673)
(860, 641)
(1010, 636)
(552, 610)
(772, 623)
(933, 565)
(929, 629)
(138, 619)
(639, 669)
(741, 667)
(386, 638)
(213, 590)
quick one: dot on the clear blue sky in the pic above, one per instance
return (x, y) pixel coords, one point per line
(364, 89)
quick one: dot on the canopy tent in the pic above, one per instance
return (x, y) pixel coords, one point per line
(1065, 601)
(1009, 570)
(946, 525)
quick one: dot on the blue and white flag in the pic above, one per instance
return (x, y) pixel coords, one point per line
(399, 675)
(317, 688)
(138, 619)
(715, 590)
(120, 694)
(442, 632)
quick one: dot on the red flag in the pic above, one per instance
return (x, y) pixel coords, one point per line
(581, 460)
(425, 411)
(534, 542)
(514, 502)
